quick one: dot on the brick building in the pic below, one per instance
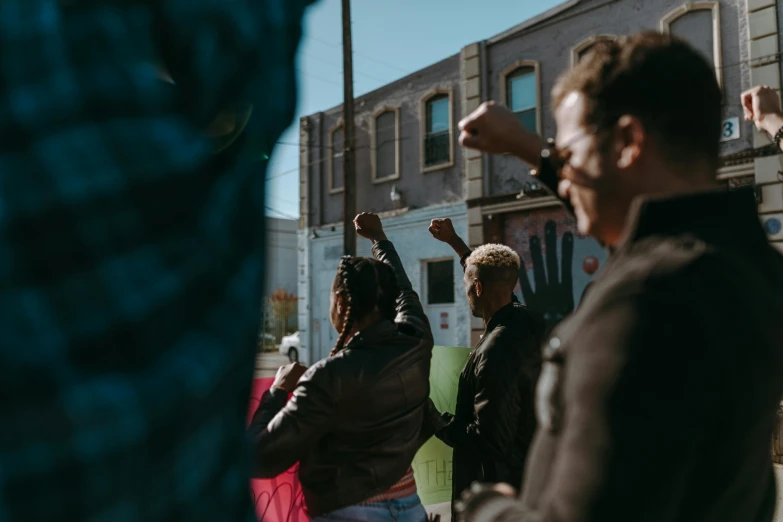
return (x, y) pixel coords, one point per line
(408, 159)
(410, 168)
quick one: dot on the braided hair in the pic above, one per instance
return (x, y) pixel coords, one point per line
(364, 285)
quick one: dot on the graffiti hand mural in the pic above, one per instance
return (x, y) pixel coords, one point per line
(554, 294)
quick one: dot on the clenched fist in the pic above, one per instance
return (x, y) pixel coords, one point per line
(491, 128)
(442, 230)
(369, 225)
(761, 105)
(288, 377)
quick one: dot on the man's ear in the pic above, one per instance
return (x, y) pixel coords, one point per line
(479, 288)
(338, 303)
(630, 139)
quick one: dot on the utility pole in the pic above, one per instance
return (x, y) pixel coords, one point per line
(349, 138)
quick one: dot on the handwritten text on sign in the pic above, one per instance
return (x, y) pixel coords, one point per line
(432, 463)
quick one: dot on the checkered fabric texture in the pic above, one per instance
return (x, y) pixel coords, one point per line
(130, 255)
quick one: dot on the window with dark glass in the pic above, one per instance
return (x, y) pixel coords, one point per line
(437, 141)
(386, 145)
(440, 282)
(337, 159)
(523, 96)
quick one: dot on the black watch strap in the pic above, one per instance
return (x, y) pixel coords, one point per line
(778, 137)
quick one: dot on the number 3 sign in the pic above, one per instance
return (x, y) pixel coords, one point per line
(730, 130)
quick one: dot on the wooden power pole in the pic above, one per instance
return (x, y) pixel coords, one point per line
(349, 138)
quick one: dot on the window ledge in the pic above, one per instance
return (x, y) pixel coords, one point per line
(378, 181)
(336, 191)
(439, 166)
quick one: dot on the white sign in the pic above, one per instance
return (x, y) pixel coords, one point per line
(730, 129)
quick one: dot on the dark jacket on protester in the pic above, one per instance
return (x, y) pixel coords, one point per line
(658, 395)
(494, 419)
(357, 419)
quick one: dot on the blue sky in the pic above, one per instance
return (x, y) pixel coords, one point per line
(391, 39)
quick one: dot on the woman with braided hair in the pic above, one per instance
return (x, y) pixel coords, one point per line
(356, 418)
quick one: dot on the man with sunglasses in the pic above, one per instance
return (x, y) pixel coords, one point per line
(657, 396)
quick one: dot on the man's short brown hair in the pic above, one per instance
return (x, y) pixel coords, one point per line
(659, 79)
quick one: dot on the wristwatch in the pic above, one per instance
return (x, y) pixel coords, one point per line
(777, 137)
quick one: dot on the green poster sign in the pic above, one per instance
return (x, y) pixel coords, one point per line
(432, 464)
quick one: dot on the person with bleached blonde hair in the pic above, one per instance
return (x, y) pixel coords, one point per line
(494, 420)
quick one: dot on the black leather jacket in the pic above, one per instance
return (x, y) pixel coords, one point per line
(494, 420)
(356, 419)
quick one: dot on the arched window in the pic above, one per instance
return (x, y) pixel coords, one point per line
(438, 146)
(699, 24)
(520, 92)
(385, 144)
(581, 49)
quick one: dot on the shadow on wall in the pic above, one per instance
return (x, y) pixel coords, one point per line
(557, 262)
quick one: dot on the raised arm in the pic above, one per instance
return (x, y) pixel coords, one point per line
(442, 229)
(761, 105)
(494, 129)
(410, 313)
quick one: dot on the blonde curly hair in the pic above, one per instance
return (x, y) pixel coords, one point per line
(493, 255)
(495, 264)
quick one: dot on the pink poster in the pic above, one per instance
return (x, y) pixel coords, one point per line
(279, 499)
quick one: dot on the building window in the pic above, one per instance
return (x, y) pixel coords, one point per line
(336, 146)
(385, 137)
(581, 49)
(519, 90)
(440, 282)
(522, 96)
(699, 24)
(438, 146)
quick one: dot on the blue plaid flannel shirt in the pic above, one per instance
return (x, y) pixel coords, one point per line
(130, 255)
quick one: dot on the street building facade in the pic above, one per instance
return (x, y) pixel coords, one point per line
(410, 164)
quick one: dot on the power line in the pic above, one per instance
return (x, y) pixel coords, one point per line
(360, 73)
(315, 77)
(357, 53)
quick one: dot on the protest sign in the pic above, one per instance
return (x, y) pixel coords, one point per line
(432, 463)
(278, 499)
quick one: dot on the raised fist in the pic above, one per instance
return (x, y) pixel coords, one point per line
(442, 229)
(493, 129)
(758, 104)
(369, 225)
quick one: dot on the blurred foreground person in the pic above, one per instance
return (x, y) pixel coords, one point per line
(132, 257)
(358, 417)
(657, 397)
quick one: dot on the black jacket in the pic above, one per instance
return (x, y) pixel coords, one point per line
(494, 419)
(657, 397)
(356, 419)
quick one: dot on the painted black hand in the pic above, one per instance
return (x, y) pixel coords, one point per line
(554, 294)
